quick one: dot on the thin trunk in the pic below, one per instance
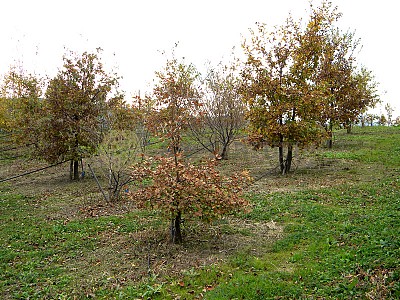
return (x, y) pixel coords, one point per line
(224, 153)
(281, 159)
(110, 184)
(330, 133)
(76, 161)
(76, 169)
(71, 170)
(82, 169)
(330, 143)
(348, 128)
(289, 155)
(176, 234)
(289, 158)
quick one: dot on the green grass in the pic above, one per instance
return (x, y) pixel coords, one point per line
(340, 242)
(342, 249)
(34, 251)
(369, 145)
(336, 240)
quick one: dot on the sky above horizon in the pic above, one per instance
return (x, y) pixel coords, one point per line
(36, 34)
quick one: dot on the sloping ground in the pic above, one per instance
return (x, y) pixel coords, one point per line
(329, 230)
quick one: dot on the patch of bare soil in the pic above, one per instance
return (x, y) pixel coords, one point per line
(56, 196)
(122, 258)
(310, 170)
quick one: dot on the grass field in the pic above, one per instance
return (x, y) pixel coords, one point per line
(329, 230)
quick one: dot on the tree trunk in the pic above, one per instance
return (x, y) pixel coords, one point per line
(348, 128)
(329, 142)
(281, 160)
(176, 234)
(224, 154)
(330, 133)
(289, 158)
(110, 184)
(76, 170)
(71, 170)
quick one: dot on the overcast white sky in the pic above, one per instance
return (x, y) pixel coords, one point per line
(132, 33)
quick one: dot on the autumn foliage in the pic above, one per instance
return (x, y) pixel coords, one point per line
(301, 80)
(193, 190)
(21, 106)
(75, 105)
(176, 186)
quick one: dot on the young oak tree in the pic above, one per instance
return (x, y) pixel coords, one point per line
(382, 120)
(389, 111)
(397, 121)
(299, 80)
(283, 103)
(22, 106)
(266, 87)
(75, 103)
(120, 146)
(221, 114)
(118, 151)
(348, 91)
(371, 118)
(176, 186)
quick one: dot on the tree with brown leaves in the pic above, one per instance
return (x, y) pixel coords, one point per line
(176, 186)
(300, 82)
(21, 109)
(276, 86)
(75, 104)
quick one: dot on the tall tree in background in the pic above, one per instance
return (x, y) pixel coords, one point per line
(221, 113)
(21, 110)
(284, 104)
(389, 111)
(75, 104)
(299, 82)
(348, 92)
